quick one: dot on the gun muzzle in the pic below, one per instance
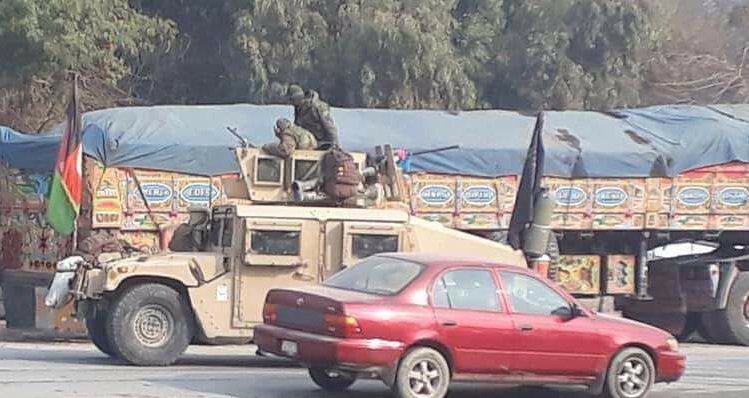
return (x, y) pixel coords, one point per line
(369, 172)
(302, 189)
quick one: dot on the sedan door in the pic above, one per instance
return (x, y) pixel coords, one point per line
(473, 322)
(549, 341)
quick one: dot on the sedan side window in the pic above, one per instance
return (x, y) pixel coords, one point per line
(530, 296)
(466, 289)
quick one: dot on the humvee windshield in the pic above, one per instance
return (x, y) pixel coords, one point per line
(377, 275)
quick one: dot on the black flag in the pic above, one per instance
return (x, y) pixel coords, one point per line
(530, 185)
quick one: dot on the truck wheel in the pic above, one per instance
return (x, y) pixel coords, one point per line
(731, 324)
(422, 373)
(330, 380)
(97, 332)
(631, 374)
(150, 325)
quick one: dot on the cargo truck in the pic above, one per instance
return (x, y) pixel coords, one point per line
(614, 200)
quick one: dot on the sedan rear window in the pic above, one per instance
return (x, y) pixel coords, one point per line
(377, 275)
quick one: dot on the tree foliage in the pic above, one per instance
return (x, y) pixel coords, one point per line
(444, 54)
(42, 40)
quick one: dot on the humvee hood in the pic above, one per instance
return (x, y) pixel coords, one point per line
(192, 269)
(431, 236)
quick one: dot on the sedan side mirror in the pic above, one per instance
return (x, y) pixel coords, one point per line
(568, 312)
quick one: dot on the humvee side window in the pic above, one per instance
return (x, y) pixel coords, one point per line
(302, 169)
(269, 170)
(228, 232)
(275, 243)
(365, 245)
(215, 231)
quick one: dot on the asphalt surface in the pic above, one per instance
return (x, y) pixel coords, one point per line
(78, 370)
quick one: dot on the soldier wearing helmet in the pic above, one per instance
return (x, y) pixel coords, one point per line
(291, 137)
(313, 114)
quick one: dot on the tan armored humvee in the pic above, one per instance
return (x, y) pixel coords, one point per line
(147, 309)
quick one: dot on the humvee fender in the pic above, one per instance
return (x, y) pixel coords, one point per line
(189, 269)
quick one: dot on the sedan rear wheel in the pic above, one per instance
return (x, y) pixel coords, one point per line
(423, 373)
(631, 374)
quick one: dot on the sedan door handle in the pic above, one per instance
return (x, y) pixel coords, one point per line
(525, 328)
(449, 323)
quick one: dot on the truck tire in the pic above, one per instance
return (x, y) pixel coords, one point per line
(150, 325)
(731, 324)
(97, 332)
(631, 374)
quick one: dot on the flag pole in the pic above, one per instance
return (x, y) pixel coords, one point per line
(76, 124)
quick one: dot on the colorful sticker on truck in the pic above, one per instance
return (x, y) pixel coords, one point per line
(199, 193)
(693, 196)
(610, 196)
(479, 195)
(156, 192)
(733, 196)
(570, 196)
(436, 194)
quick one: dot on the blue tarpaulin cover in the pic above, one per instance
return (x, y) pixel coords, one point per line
(654, 141)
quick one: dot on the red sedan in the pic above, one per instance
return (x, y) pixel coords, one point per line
(419, 321)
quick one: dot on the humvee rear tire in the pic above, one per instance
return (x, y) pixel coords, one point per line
(731, 324)
(150, 325)
(97, 332)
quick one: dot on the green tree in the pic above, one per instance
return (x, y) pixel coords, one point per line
(378, 53)
(40, 37)
(40, 40)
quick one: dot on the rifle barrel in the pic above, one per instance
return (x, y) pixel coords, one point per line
(445, 148)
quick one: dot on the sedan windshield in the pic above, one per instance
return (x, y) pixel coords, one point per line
(377, 275)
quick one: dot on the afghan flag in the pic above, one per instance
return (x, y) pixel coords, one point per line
(67, 183)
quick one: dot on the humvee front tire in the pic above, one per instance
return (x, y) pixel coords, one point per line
(97, 332)
(150, 325)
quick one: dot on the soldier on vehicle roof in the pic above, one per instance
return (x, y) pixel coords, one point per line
(313, 114)
(291, 137)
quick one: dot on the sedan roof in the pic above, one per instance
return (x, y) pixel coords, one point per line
(441, 260)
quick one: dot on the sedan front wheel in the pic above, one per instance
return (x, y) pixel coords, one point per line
(631, 374)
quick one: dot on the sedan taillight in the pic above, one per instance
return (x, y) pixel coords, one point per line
(269, 313)
(341, 325)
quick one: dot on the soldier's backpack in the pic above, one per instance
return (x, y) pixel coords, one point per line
(341, 178)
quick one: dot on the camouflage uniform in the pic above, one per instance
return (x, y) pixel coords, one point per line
(291, 137)
(192, 236)
(313, 114)
(99, 243)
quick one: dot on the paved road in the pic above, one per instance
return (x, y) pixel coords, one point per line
(77, 370)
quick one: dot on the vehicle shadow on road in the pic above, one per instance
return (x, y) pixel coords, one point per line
(298, 386)
(52, 355)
